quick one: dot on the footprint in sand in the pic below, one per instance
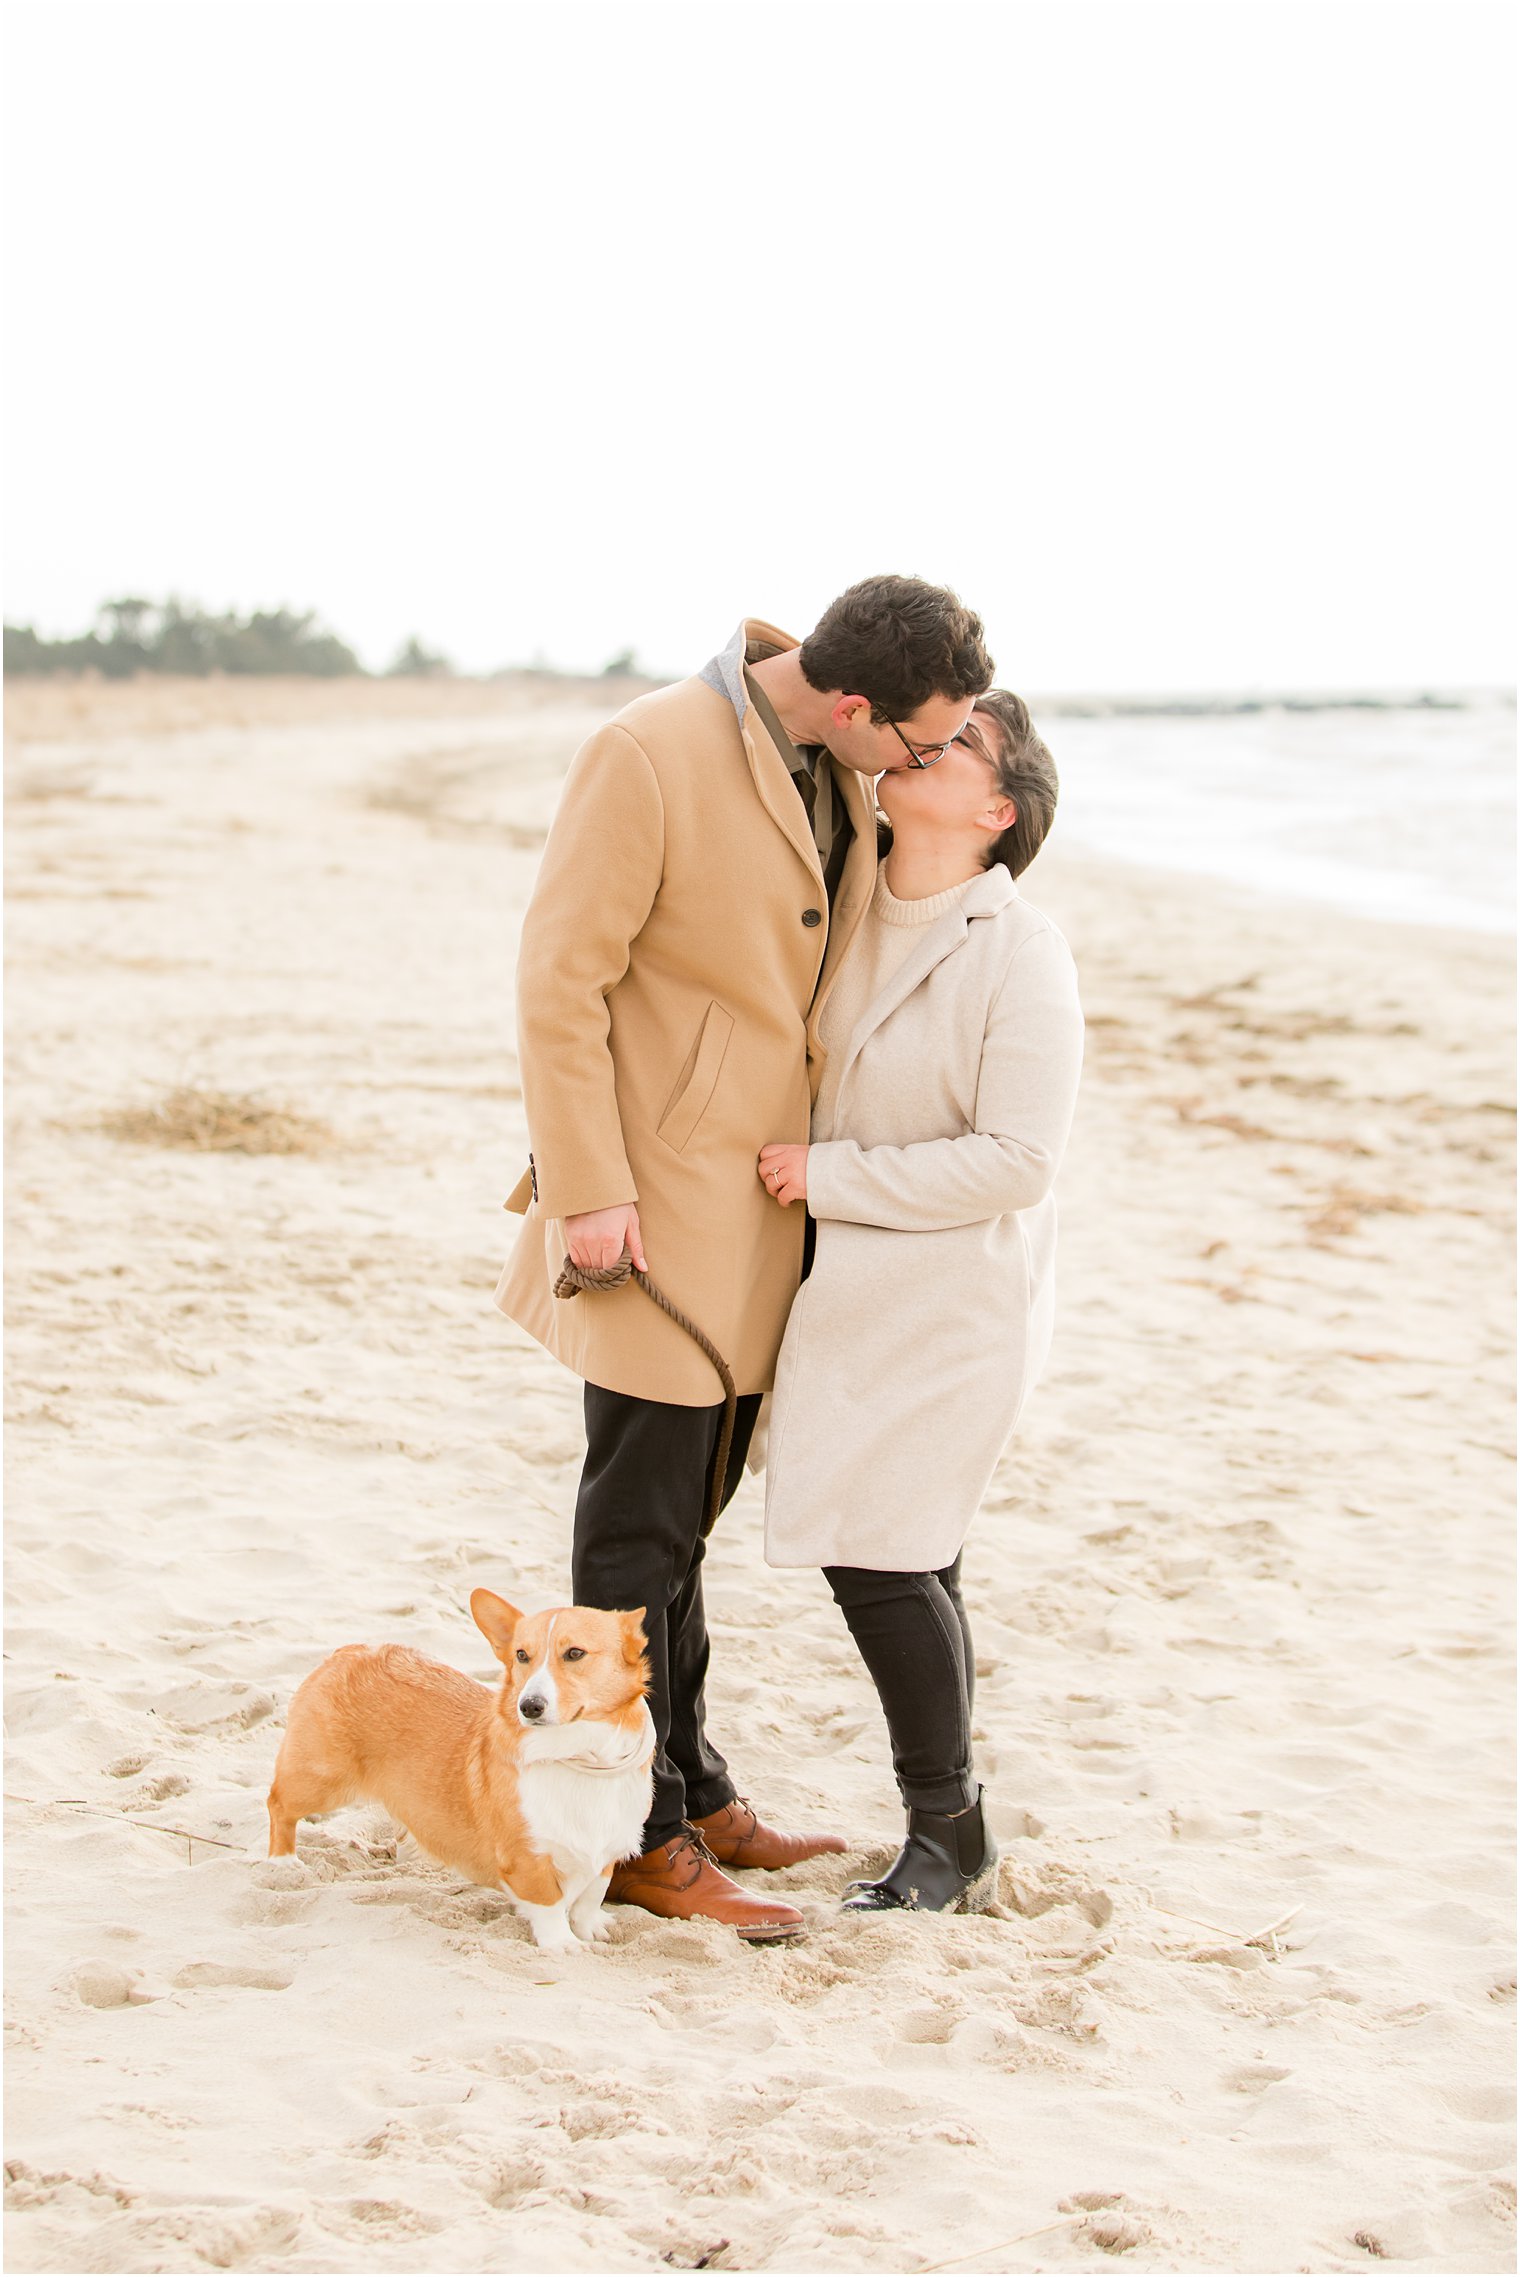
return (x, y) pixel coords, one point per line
(101, 1984)
(1456, 1924)
(1034, 1893)
(28, 2186)
(382, 2217)
(204, 1707)
(1111, 2225)
(1254, 2079)
(211, 1976)
(1490, 2103)
(282, 1874)
(275, 1909)
(252, 2236)
(163, 1788)
(927, 2026)
(684, 1947)
(1115, 2233)
(1195, 1822)
(1001, 2045)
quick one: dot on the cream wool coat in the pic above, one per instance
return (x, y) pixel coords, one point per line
(676, 957)
(927, 1316)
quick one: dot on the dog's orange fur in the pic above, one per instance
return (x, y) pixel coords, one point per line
(384, 1724)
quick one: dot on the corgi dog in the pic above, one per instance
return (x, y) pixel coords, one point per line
(536, 1789)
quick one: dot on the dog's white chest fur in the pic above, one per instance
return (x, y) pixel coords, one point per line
(585, 1790)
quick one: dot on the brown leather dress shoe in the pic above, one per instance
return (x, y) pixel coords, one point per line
(679, 1880)
(735, 1837)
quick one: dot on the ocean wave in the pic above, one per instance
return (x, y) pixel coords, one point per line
(1402, 811)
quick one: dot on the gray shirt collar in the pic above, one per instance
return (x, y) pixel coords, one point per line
(725, 671)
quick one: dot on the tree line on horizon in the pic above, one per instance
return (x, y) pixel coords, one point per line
(131, 635)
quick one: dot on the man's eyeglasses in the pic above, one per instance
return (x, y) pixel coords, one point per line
(925, 754)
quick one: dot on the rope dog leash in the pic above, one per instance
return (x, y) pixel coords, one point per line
(575, 1278)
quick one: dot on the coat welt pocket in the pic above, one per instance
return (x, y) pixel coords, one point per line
(697, 1080)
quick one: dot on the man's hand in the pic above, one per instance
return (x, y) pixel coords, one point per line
(783, 1173)
(597, 1238)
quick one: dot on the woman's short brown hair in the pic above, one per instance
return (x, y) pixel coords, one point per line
(1025, 773)
(897, 641)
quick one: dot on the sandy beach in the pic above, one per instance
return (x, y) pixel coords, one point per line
(1241, 1589)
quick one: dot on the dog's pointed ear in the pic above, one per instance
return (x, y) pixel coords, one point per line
(496, 1620)
(633, 1635)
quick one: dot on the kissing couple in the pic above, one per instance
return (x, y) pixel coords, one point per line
(812, 1066)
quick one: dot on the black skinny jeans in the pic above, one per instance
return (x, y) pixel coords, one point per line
(913, 1636)
(638, 1541)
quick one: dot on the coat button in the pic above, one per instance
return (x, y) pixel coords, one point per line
(812, 917)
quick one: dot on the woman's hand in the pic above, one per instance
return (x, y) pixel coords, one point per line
(783, 1173)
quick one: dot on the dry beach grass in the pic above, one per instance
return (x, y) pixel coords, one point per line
(1240, 1590)
(211, 1123)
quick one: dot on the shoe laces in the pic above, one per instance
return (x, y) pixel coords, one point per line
(690, 1840)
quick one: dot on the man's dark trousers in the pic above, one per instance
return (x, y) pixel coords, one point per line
(638, 1541)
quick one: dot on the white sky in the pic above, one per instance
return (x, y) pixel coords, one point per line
(1176, 336)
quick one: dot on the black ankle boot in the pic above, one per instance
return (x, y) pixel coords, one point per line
(947, 1865)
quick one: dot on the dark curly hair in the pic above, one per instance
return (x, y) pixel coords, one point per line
(897, 641)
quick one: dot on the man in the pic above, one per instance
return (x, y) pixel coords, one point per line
(712, 856)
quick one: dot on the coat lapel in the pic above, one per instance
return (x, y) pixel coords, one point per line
(778, 793)
(938, 941)
(982, 898)
(772, 776)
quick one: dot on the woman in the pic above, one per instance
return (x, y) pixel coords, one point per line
(954, 1040)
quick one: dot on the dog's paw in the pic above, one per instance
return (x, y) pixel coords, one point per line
(549, 1927)
(593, 1929)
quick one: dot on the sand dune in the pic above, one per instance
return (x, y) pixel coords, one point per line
(1240, 1590)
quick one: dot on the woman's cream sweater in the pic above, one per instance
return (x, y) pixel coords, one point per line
(887, 933)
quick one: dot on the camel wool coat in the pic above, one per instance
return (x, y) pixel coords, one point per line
(927, 1316)
(676, 955)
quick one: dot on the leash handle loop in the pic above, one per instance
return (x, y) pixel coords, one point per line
(574, 1279)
